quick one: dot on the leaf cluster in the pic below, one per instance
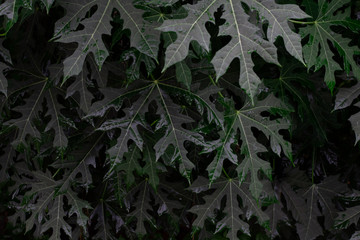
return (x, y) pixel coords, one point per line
(154, 119)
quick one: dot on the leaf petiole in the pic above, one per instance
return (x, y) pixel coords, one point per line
(223, 169)
(301, 22)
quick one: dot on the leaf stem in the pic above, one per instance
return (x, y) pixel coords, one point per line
(313, 165)
(57, 171)
(152, 77)
(213, 82)
(62, 160)
(301, 22)
(223, 169)
(103, 193)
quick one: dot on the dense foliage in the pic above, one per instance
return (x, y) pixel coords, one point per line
(165, 119)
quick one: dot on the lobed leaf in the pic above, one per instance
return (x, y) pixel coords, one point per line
(143, 37)
(244, 120)
(317, 51)
(233, 219)
(244, 41)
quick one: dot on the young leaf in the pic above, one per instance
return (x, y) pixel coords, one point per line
(183, 74)
(48, 4)
(3, 80)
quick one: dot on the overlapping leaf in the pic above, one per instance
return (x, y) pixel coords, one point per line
(295, 87)
(77, 207)
(131, 163)
(101, 220)
(276, 213)
(170, 120)
(145, 125)
(48, 193)
(77, 163)
(154, 13)
(6, 161)
(317, 51)
(43, 193)
(152, 167)
(350, 215)
(139, 196)
(39, 91)
(8, 155)
(344, 98)
(133, 71)
(103, 224)
(4, 53)
(235, 214)
(161, 3)
(355, 236)
(244, 120)
(304, 205)
(129, 124)
(10, 9)
(143, 35)
(84, 80)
